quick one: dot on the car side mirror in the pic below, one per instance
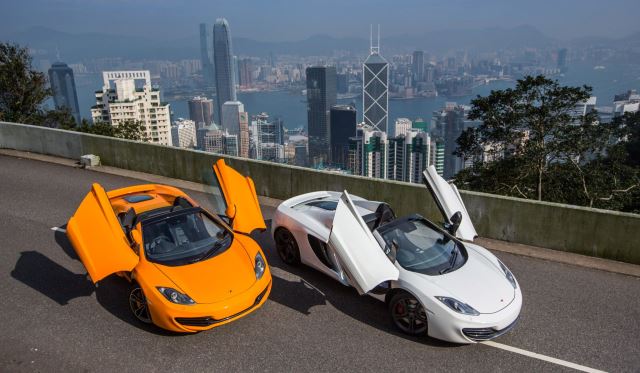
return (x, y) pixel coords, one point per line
(455, 220)
(137, 240)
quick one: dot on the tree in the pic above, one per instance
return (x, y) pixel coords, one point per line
(527, 122)
(22, 89)
(129, 129)
(533, 145)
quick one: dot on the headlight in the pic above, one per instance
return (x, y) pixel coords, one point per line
(260, 266)
(175, 296)
(509, 275)
(458, 306)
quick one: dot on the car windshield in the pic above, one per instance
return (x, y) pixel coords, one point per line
(422, 248)
(183, 237)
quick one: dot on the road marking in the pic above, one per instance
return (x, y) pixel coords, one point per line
(58, 229)
(542, 357)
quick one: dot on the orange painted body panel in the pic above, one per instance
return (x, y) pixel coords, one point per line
(98, 238)
(241, 198)
(224, 287)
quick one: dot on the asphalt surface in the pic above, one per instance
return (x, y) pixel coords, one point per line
(54, 319)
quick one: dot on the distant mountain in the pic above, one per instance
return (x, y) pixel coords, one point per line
(75, 47)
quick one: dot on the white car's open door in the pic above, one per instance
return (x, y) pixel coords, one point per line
(449, 202)
(359, 253)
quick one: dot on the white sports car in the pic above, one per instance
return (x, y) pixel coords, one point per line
(433, 282)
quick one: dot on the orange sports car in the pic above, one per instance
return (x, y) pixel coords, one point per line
(189, 269)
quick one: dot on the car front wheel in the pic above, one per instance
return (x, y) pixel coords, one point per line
(138, 304)
(287, 247)
(408, 314)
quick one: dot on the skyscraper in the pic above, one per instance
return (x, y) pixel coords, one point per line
(223, 57)
(63, 86)
(409, 154)
(342, 125)
(562, 59)
(245, 70)
(451, 121)
(321, 95)
(232, 115)
(268, 138)
(201, 111)
(205, 56)
(375, 88)
(417, 66)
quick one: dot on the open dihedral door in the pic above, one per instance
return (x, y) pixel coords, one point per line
(449, 202)
(358, 251)
(98, 238)
(240, 197)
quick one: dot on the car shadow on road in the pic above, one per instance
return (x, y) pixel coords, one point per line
(314, 288)
(50, 278)
(61, 285)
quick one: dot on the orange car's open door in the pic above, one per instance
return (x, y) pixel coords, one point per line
(239, 194)
(98, 238)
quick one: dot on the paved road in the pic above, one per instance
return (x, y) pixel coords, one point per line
(54, 319)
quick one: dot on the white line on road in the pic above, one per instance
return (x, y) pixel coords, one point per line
(58, 229)
(542, 357)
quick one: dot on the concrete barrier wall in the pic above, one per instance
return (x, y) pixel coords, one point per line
(600, 233)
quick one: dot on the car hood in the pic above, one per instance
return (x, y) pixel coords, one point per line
(478, 283)
(216, 279)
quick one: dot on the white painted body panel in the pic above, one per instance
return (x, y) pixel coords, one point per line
(358, 251)
(449, 202)
(479, 282)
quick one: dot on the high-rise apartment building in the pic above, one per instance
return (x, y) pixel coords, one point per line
(183, 133)
(216, 140)
(129, 96)
(408, 156)
(401, 126)
(342, 121)
(224, 71)
(417, 66)
(201, 111)
(368, 153)
(63, 87)
(268, 138)
(375, 89)
(205, 55)
(450, 121)
(321, 96)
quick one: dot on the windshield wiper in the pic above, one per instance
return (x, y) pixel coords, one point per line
(209, 253)
(452, 261)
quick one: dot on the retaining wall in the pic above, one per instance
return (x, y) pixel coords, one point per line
(600, 233)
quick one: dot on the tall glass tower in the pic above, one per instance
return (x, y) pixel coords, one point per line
(223, 59)
(321, 95)
(63, 86)
(205, 55)
(375, 90)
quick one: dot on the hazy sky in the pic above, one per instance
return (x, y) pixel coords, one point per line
(279, 20)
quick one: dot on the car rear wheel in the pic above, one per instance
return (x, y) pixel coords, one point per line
(287, 247)
(138, 304)
(408, 314)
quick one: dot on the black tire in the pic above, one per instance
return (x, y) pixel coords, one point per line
(138, 304)
(408, 314)
(287, 247)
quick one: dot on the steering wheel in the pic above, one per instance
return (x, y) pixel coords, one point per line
(158, 243)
